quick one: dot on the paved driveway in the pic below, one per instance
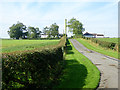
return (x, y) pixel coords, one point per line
(108, 66)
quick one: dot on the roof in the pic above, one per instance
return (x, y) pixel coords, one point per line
(88, 33)
(94, 34)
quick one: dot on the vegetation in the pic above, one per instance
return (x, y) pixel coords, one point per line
(33, 32)
(21, 45)
(52, 30)
(104, 43)
(97, 48)
(113, 40)
(46, 31)
(75, 26)
(115, 43)
(38, 68)
(79, 71)
(19, 30)
(16, 30)
(40, 63)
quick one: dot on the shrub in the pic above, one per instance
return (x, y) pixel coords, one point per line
(32, 69)
(103, 43)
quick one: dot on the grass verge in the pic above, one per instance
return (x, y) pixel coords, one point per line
(90, 45)
(79, 71)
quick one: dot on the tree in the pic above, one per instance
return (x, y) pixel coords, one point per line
(54, 29)
(45, 30)
(75, 26)
(33, 32)
(38, 32)
(16, 30)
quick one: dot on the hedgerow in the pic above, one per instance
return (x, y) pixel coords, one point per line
(38, 68)
(110, 45)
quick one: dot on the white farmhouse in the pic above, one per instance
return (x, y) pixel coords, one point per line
(93, 35)
(43, 35)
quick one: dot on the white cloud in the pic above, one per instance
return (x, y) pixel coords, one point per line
(101, 20)
(44, 14)
(59, 0)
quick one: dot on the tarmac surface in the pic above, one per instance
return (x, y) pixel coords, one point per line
(108, 66)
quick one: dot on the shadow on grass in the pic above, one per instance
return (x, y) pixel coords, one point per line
(69, 48)
(74, 74)
(68, 43)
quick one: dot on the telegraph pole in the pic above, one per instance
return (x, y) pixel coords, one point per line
(66, 27)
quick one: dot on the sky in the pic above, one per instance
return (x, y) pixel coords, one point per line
(97, 16)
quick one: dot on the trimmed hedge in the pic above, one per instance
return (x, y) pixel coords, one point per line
(33, 69)
(110, 45)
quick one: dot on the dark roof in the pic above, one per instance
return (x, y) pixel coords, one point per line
(87, 33)
(93, 34)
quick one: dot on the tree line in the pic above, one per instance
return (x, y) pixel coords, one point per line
(20, 30)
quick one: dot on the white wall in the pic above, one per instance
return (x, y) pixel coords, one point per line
(44, 36)
(89, 36)
(99, 36)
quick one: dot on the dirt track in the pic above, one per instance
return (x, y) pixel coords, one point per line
(108, 66)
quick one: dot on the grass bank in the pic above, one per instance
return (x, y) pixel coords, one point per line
(113, 40)
(97, 48)
(79, 71)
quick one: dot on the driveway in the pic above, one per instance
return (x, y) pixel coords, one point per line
(108, 66)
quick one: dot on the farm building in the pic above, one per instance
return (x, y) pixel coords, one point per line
(43, 35)
(93, 35)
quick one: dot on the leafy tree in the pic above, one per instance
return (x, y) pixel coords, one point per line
(38, 32)
(45, 30)
(33, 32)
(24, 35)
(54, 29)
(75, 26)
(16, 30)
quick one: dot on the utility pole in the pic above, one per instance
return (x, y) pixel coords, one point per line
(63, 31)
(66, 27)
(104, 33)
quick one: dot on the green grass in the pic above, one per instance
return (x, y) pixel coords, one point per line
(114, 40)
(21, 45)
(97, 48)
(79, 71)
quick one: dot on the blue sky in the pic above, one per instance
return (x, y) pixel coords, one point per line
(97, 16)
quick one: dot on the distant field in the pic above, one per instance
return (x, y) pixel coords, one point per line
(114, 40)
(21, 45)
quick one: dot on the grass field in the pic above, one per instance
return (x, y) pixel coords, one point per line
(21, 45)
(114, 40)
(79, 71)
(97, 48)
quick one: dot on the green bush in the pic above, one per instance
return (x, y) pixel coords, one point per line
(34, 68)
(103, 43)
